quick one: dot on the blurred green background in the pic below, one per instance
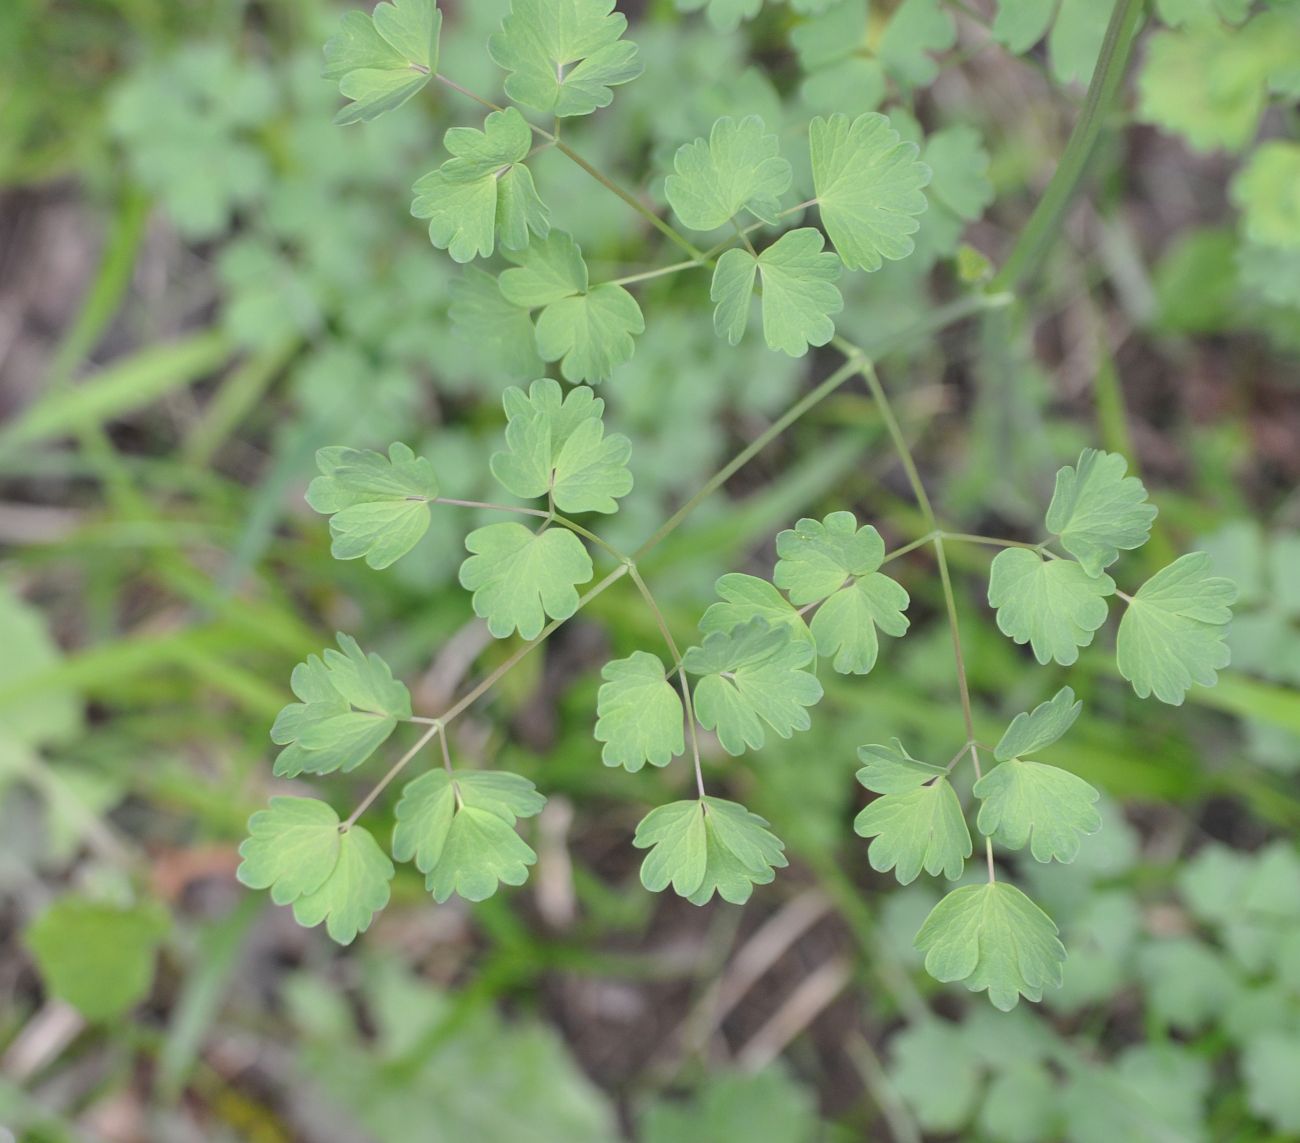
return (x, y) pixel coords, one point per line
(202, 281)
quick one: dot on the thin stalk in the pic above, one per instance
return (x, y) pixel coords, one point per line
(586, 533)
(920, 542)
(991, 541)
(487, 506)
(868, 371)
(395, 769)
(646, 275)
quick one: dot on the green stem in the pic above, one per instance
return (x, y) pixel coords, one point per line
(489, 507)
(1028, 252)
(868, 371)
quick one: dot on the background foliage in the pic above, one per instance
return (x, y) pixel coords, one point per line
(203, 281)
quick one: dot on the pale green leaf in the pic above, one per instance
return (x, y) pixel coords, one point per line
(1027, 802)
(739, 167)
(484, 193)
(1053, 605)
(845, 625)
(724, 15)
(563, 56)
(560, 446)
(751, 675)
(869, 188)
(746, 596)
(1267, 192)
(1179, 12)
(519, 577)
(355, 890)
(992, 937)
(1074, 43)
(1097, 511)
(916, 31)
(959, 167)
(892, 770)
(1269, 1066)
(459, 828)
(1020, 24)
(483, 318)
(799, 292)
(291, 848)
(547, 271)
(922, 828)
(590, 334)
(381, 60)
(818, 557)
(1171, 636)
(378, 506)
(1032, 731)
(639, 713)
(705, 846)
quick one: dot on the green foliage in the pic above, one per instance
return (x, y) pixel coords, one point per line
(767, 1105)
(705, 846)
(738, 167)
(564, 56)
(747, 596)
(1097, 511)
(920, 828)
(459, 828)
(96, 956)
(639, 713)
(1044, 806)
(1035, 730)
(378, 508)
(1053, 605)
(1265, 191)
(892, 770)
(992, 937)
(383, 59)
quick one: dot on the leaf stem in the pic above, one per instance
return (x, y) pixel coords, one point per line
(646, 275)
(488, 506)
(573, 526)
(395, 769)
(868, 371)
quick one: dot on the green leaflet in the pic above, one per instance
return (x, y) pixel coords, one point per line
(1171, 636)
(485, 192)
(495, 327)
(1036, 730)
(959, 167)
(381, 60)
(1053, 605)
(739, 167)
(1265, 190)
(559, 445)
(917, 29)
(356, 889)
(519, 577)
(589, 330)
(378, 508)
(459, 828)
(639, 713)
(892, 770)
(350, 705)
(705, 846)
(563, 56)
(799, 292)
(1097, 511)
(750, 675)
(746, 596)
(869, 188)
(920, 828)
(992, 937)
(1027, 802)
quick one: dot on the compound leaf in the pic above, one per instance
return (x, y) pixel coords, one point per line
(750, 675)
(383, 59)
(744, 597)
(892, 770)
(355, 890)
(992, 937)
(459, 828)
(1053, 605)
(1097, 511)
(799, 292)
(563, 56)
(378, 507)
(705, 846)
(845, 625)
(559, 445)
(869, 188)
(739, 167)
(922, 828)
(291, 848)
(1035, 730)
(1171, 636)
(1050, 808)
(485, 192)
(590, 334)
(639, 713)
(520, 577)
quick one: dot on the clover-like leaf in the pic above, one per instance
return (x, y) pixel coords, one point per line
(892, 770)
(739, 167)
(1053, 605)
(558, 445)
(639, 713)
(1097, 511)
(1035, 730)
(799, 292)
(485, 192)
(355, 890)
(291, 848)
(520, 577)
(563, 56)
(1028, 802)
(750, 675)
(747, 596)
(992, 937)
(459, 828)
(350, 705)
(1171, 636)
(382, 59)
(378, 506)
(921, 828)
(869, 188)
(705, 846)
(845, 625)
